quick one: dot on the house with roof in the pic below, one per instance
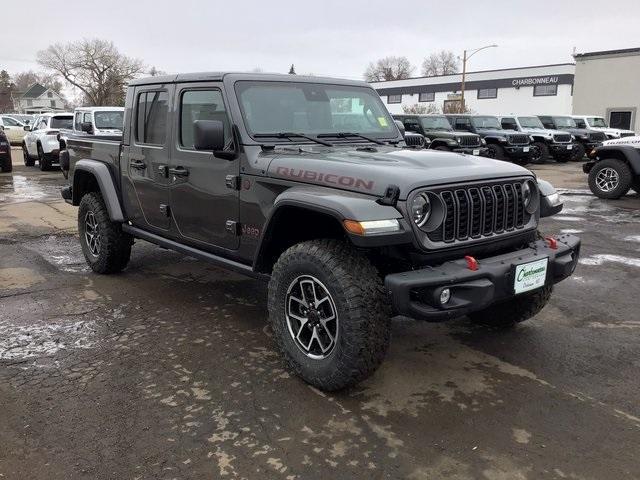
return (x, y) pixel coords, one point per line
(38, 99)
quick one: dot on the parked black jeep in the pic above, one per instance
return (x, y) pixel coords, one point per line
(5, 154)
(442, 135)
(585, 139)
(255, 173)
(501, 144)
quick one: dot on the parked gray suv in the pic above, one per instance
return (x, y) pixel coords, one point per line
(253, 173)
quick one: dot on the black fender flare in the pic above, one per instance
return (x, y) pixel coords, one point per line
(627, 153)
(550, 202)
(107, 186)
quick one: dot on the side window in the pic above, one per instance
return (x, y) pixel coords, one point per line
(10, 122)
(151, 118)
(42, 124)
(77, 121)
(412, 125)
(200, 105)
(462, 124)
(509, 124)
(580, 123)
(87, 118)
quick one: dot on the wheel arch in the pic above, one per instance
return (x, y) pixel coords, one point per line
(629, 155)
(93, 176)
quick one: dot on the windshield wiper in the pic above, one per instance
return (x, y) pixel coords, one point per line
(289, 135)
(351, 134)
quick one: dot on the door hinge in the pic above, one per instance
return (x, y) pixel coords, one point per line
(232, 227)
(165, 209)
(233, 182)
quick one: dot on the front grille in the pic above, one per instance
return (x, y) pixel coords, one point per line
(562, 138)
(597, 136)
(415, 140)
(470, 141)
(519, 139)
(478, 211)
(629, 134)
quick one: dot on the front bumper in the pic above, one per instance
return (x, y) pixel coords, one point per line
(521, 151)
(589, 146)
(482, 151)
(416, 293)
(561, 149)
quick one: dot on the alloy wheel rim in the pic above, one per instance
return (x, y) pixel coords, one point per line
(607, 179)
(92, 233)
(312, 317)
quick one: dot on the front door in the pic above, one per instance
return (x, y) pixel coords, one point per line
(13, 130)
(203, 200)
(145, 160)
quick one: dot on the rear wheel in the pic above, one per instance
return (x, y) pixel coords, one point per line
(513, 311)
(105, 246)
(6, 164)
(329, 313)
(539, 152)
(43, 161)
(28, 161)
(495, 151)
(578, 151)
(610, 178)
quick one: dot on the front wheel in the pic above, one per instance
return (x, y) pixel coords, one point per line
(577, 152)
(105, 246)
(329, 313)
(495, 151)
(513, 311)
(539, 152)
(6, 165)
(28, 161)
(43, 161)
(610, 178)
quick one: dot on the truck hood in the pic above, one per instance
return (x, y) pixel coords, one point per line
(489, 132)
(372, 170)
(448, 134)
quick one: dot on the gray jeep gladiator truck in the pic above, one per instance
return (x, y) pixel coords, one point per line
(249, 171)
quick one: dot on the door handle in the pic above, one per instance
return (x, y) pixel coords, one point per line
(137, 164)
(179, 172)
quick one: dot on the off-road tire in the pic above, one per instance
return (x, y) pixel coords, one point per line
(513, 311)
(543, 154)
(6, 165)
(28, 161)
(625, 178)
(115, 245)
(495, 151)
(361, 304)
(43, 161)
(578, 151)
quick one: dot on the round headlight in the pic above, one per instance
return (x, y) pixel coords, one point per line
(530, 197)
(420, 209)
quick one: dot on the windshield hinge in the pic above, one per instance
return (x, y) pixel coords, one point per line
(391, 195)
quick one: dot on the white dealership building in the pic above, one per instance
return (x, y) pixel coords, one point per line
(543, 89)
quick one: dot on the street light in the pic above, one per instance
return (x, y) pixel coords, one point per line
(466, 57)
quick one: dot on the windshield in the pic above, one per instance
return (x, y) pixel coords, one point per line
(61, 122)
(436, 123)
(486, 122)
(597, 122)
(312, 109)
(530, 122)
(109, 120)
(564, 122)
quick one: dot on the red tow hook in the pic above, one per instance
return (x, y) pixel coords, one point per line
(472, 263)
(553, 243)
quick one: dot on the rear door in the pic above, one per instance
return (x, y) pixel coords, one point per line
(145, 160)
(204, 200)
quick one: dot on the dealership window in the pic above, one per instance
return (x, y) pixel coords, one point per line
(394, 99)
(427, 97)
(151, 117)
(620, 119)
(487, 93)
(545, 90)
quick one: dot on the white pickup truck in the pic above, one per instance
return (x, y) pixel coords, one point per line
(98, 121)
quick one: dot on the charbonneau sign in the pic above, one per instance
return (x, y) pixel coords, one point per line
(523, 82)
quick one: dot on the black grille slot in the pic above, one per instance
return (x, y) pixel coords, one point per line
(415, 140)
(519, 139)
(470, 141)
(597, 136)
(562, 138)
(476, 211)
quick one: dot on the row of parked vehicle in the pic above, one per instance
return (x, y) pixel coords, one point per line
(518, 138)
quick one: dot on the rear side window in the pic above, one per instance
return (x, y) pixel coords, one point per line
(151, 118)
(201, 105)
(62, 122)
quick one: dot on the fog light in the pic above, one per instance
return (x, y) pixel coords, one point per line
(445, 296)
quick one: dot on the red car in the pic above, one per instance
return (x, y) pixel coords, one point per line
(5, 153)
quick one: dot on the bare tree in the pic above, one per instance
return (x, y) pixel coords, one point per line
(389, 68)
(444, 62)
(24, 80)
(417, 109)
(95, 67)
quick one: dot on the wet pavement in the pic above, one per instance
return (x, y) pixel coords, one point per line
(168, 370)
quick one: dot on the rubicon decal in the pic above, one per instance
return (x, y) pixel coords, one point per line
(326, 178)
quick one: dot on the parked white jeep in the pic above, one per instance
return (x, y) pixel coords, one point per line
(41, 142)
(598, 123)
(98, 120)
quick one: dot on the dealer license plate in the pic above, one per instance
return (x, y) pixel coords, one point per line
(476, 152)
(569, 147)
(525, 149)
(529, 276)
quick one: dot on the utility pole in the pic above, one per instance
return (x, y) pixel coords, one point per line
(466, 57)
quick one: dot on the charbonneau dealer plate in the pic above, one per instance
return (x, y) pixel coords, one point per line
(525, 149)
(476, 152)
(529, 276)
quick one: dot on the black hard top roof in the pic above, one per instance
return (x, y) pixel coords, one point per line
(218, 76)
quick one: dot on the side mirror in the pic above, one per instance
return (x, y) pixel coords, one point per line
(400, 126)
(1, 127)
(86, 127)
(27, 128)
(208, 135)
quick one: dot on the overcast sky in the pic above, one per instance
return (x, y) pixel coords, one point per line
(334, 38)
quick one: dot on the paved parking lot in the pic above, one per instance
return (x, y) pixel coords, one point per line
(168, 370)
